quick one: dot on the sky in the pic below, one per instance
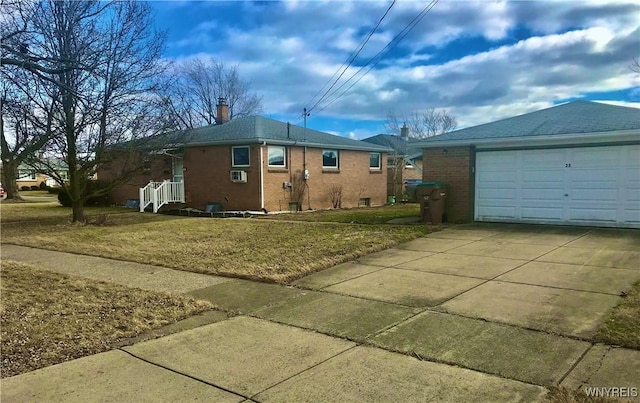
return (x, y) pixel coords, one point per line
(480, 60)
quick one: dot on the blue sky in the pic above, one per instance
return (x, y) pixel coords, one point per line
(481, 60)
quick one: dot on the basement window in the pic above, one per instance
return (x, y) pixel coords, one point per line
(240, 156)
(329, 158)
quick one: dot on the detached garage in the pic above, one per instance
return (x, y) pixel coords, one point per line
(573, 164)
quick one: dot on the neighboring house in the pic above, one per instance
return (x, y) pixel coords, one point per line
(29, 176)
(404, 162)
(573, 164)
(255, 163)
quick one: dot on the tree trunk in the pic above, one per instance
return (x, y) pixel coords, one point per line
(9, 174)
(78, 211)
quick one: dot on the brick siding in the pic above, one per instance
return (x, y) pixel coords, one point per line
(454, 168)
(207, 179)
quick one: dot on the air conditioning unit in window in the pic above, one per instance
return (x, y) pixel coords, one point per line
(239, 176)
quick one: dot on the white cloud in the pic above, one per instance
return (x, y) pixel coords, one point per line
(291, 49)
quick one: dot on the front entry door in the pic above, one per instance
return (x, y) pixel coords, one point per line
(178, 168)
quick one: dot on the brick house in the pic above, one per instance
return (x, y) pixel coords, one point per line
(404, 161)
(256, 163)
(571, 164)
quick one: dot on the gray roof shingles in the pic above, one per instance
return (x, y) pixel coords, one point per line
(402, 147)
(257, 129)
(570, 118)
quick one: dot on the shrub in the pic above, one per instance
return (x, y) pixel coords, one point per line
(92, 186)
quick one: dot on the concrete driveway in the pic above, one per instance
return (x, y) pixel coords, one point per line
(520, 301)
(477, 312)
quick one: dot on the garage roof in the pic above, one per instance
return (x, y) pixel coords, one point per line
(579, 117)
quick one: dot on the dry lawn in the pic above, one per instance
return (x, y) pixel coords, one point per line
(11, 211)
(368, 215)
(48, 318)
(564, 395)
(622, 327)
(266, 250)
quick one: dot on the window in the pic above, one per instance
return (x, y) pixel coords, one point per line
(240, 156)
(330, 158)
(374, 161)
(277, 156)
(26, 174)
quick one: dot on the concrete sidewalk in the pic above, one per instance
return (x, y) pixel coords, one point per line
(130, 274)
(472, 313)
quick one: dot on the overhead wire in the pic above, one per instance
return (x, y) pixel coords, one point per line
(381, 54)
(349, 61)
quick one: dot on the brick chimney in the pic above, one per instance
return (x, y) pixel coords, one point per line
(404, 132)
(222, 113)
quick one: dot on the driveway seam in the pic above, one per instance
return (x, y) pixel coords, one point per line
(187, 375)
(575, 364)
(478, 285)
(323, 290)
(509, 271)
(436, 272)
(556, 288)
(352, 278)
(303, 371)
(584, 264)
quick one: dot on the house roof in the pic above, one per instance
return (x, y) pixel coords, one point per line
(399, 145)
(573, 118)
(258, 129)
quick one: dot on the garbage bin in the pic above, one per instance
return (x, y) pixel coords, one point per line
(410, 189)
(431, 196)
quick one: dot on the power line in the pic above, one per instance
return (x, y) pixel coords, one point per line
(380, 55)
(349, 61)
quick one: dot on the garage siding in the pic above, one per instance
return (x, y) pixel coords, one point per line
(578, 186)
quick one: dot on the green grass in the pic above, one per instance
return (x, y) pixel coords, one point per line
(47, 318)
(266, 250)
(362, 215)
(622, 327)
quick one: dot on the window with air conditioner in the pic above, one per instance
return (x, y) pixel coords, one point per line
(239, 176)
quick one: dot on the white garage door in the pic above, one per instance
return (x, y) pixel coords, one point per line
(578, 186)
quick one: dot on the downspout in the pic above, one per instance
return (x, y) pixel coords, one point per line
(264, 143)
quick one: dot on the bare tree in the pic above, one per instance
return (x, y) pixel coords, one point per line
(635, 65)
(24, 129)
(102, 61)
(195, 88)
(421, 125)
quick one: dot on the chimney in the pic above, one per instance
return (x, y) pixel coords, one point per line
(222, 113)
(404, 132)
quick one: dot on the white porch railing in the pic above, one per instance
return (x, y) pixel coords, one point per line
(160, 193)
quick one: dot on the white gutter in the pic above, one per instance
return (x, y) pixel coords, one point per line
(556, 139)
(262, 175)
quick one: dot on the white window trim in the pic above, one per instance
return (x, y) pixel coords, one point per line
(379, 167)
(337, 166)
(27, 175)
(233, 162)
(284, 157)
